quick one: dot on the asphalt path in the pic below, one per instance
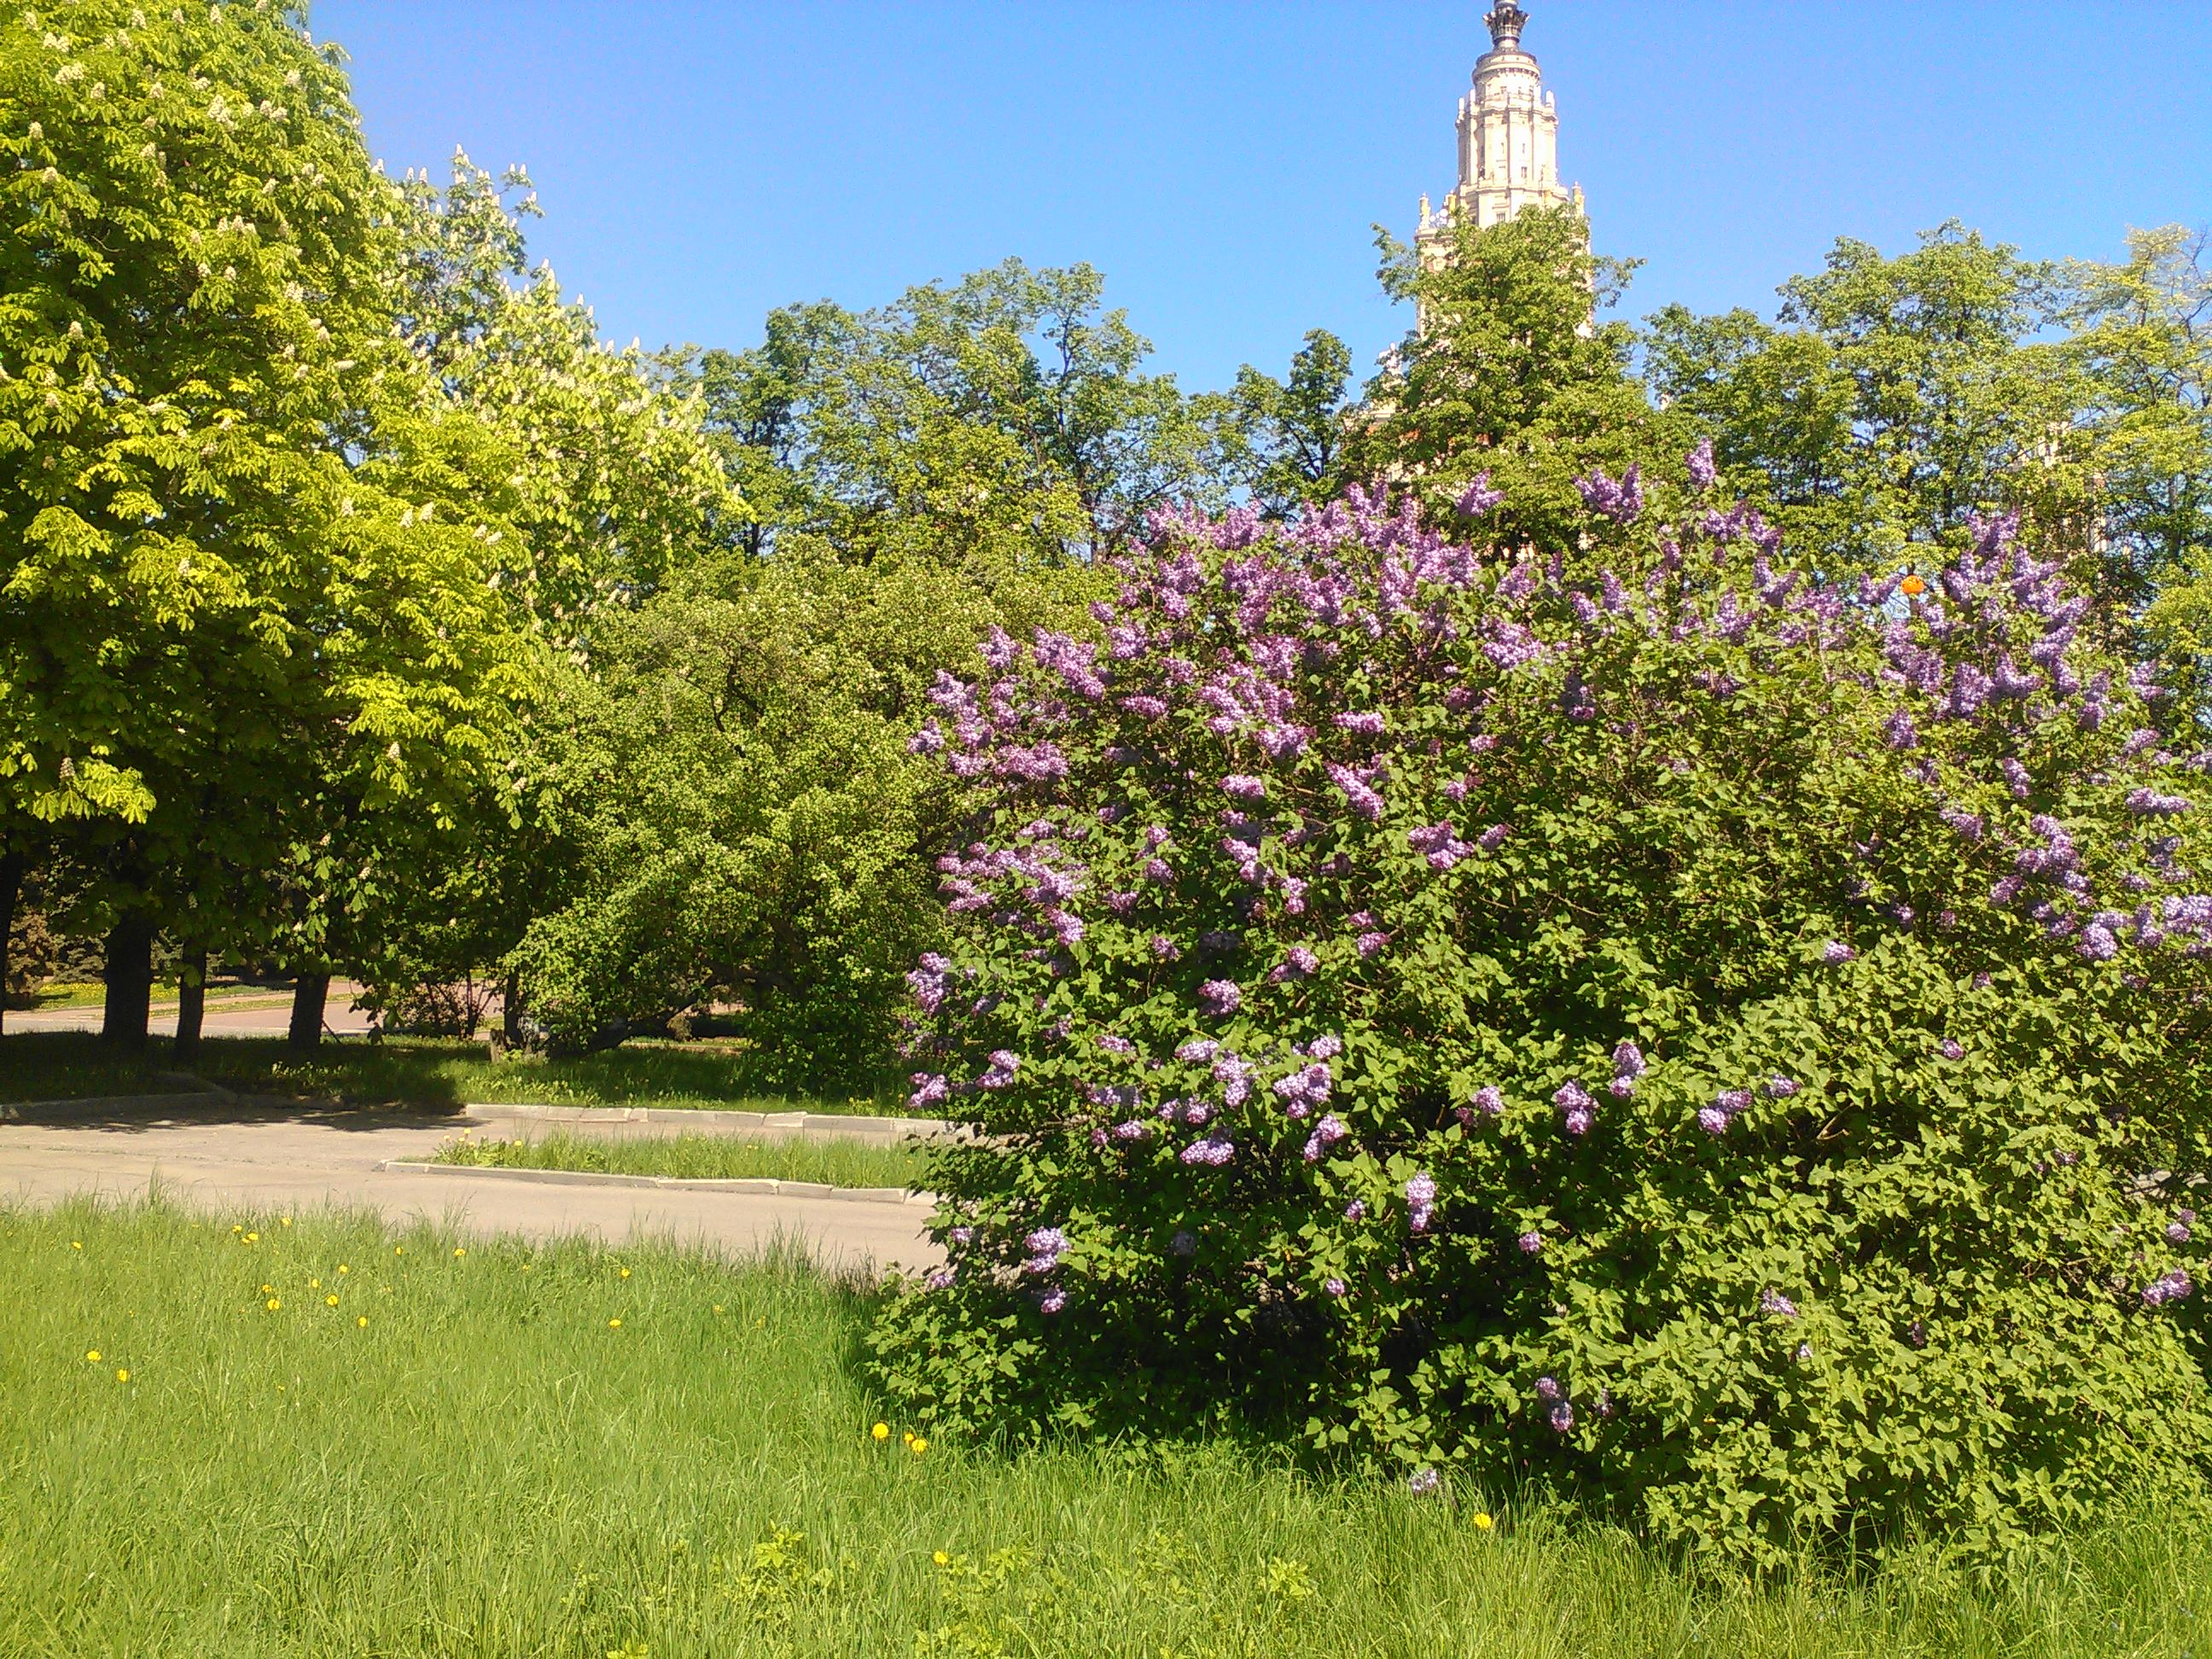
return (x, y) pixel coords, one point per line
(261, 1013)
(240, 1159)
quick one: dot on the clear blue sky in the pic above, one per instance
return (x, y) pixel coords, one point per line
(1222, 163)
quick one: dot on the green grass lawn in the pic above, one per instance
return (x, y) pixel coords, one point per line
(413, 1072)
(576, 1451)
(700, 1158)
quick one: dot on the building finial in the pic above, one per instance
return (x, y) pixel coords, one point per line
(1506, 21)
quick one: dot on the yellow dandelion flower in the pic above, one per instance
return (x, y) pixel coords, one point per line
(908, 1435)
(343, 1268)
(614, 1324)
(1483, 1522)
(267, 1290)
(92, 1356)
(718, 1307)
(237, 1227)
(274, 1302)
(363, 1320)
(881, 1431)
(285, 1219)
(940, 1558)
(123, 1374)
(77, 1243)
(920, 1447)
(314, 1284)
(625, 1273)
(330, 1302)
(399, 1250)
(253, 1238)
(458, 1251)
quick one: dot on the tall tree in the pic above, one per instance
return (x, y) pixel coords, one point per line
(241, 542)
(611, 488)
(1506, 371)
(1892, 400)
(2144, 339)
(1004, 419)
(613, 482)
(1293, 431)
(14, 864)
(747, 823)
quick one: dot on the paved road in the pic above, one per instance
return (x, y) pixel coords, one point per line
(267, 1014)
(246, 1159)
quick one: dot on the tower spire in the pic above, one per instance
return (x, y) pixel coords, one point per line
(1509, 139)
(1506, 21)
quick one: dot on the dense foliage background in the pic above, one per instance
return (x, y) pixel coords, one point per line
(361, 612)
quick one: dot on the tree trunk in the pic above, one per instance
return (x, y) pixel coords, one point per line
(130, 975)
(192, 1004)
(309, 992)
(510, 1009)
(11, 883)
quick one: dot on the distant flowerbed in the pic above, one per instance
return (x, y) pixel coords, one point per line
(1635, 1017)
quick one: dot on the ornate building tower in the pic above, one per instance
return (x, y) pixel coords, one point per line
(1508, 140)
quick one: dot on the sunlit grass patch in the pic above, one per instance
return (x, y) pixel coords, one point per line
(839, 1162)
(434, 1443)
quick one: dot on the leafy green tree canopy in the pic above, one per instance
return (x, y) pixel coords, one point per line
(2143, 337)
(1006, 418)
(615, 481)
(243, 545)
(1893, 399)
(746, 823)
(1293, 432)
(1507, 372)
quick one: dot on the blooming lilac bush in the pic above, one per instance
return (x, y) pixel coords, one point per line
(1639, 1019)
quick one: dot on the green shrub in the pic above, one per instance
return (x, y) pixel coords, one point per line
(1639, 1020)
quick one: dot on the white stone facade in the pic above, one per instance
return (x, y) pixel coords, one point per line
(1508, 140)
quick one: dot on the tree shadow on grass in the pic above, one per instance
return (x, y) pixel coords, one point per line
(409, 1075)
(236, 1080)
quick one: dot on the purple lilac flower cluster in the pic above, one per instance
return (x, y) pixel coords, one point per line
(1420, 1201)
(1441, 844)
(1213, 1152)
(2172, 1286)
(1046, 1246)
(1559, 1410)
(1304, 1089)
(1620, 499)
(1628, 1066)
(1327, 1132)
(1578, 1111)
(1489, 1101)
(1727, 1105)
